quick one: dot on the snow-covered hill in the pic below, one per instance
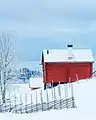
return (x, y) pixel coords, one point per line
(85, 99)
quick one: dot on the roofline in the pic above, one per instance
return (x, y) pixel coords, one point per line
(67, 49)
(72, 62)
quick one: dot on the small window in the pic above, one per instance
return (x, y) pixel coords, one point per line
(70, 57)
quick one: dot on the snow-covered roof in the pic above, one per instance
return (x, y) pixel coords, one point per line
(66, 55)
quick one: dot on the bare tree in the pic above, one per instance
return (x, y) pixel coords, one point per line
(6, 64)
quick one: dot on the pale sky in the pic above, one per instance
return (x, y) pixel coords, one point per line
(45, 24)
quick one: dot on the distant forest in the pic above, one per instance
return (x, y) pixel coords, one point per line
(25, 74)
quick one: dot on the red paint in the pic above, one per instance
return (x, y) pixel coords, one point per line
(63, 71)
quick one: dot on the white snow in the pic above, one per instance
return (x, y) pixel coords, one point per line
(36, 82)
(85, 99)
(61, 55)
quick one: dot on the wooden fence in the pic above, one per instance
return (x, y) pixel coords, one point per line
(20, 106)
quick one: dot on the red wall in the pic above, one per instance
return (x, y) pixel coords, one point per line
(62, 71)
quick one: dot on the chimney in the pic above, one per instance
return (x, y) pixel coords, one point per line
(47, 51)
(70, 46)
(70, 54)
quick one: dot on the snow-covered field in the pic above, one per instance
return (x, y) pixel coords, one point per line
(70, 114)
(85, 99)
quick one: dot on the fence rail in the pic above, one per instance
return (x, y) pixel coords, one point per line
(56, 104)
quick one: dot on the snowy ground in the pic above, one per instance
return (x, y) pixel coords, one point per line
(36, 82)
(85, 99)
(70, 114)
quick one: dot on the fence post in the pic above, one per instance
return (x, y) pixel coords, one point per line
(9, 103)
(77, 78)
(36, 102)
(69, 81)
(25, 102)
(73, 104)
(0, 105)
(21, 103)
(59, 90)
(47, 99)
(15, 104)
(54, 98)
(5, 106)
(52, 93)
(41, 99)
(72, 90)
(31, 104)
(66, 94)
(52, 84)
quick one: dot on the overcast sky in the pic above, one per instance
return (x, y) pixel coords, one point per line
(40, 24)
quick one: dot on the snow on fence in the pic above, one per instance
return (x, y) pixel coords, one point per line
(58, 97)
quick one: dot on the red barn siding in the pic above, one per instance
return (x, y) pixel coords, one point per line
(56, 72)
(80, 71)
(62, 71)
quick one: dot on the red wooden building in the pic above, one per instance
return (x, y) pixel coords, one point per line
(66, 65)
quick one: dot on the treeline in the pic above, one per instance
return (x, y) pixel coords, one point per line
(25, 73)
